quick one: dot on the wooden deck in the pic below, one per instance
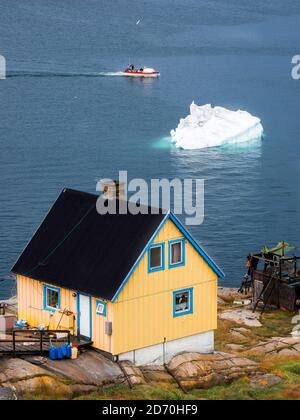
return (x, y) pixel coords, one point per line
(22, 349)
(33, 342)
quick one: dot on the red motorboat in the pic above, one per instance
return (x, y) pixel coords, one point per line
(131, 71)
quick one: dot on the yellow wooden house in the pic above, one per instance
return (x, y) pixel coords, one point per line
(138, 287)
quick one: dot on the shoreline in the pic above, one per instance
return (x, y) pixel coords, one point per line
(255, 355)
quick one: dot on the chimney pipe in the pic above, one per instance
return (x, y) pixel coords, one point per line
(114, 190)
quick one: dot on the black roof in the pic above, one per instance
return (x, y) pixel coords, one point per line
(78, 249)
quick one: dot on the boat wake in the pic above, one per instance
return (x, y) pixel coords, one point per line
(74, 74)
(112, 74)
(62, 74)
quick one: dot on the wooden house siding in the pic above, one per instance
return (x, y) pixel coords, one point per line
(101, 340)
(143, 311)
(142, 315)
(31, 305)
(31, 308)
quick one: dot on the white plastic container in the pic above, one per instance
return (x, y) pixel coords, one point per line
(74, 353)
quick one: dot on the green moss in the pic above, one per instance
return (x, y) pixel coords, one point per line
(122, 392)
(238, 390)
(294, 368)
(290, 371)
(275, 323)
(42, 396)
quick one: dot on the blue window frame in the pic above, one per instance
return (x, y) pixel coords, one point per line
(156, 257)
(177, 253)
(101, 308)
(183, 302)
(51, 298)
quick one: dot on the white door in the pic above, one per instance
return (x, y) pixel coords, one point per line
(84, 308)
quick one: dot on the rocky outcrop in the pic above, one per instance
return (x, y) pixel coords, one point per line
(229, 295)
(15, 370)
(22, 377)
(235, 347)
(265, 381)
(7, 394)
(44, 385)
(91, 368)
(65, 378)
(193, 370)
(278, 346)
(133, 374)
(146, 374)
(155, 374)
(242, 316)
(226, 294)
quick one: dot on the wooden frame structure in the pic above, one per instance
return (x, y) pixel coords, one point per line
(278, 283)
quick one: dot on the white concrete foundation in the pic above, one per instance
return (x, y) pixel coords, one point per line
(164, 352)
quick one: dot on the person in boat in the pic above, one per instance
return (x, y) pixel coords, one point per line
(130, 68)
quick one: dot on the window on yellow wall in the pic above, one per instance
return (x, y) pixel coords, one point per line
(176, 256)
(183, 302)
(51, 298)
(100, 308)
(156, 257)
(176, 253)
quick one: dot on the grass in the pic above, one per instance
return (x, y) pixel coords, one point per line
(277, 323)
(274, 324)
(43, 396)
(237, 391)
(142, 392)
(288, 370)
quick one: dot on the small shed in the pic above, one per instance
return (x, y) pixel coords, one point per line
(275, 275)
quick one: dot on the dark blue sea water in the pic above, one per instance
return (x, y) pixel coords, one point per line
(61, 125)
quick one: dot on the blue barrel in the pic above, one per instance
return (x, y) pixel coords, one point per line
(69, 351)
(52, 353)
(60, 353)
(64, 351)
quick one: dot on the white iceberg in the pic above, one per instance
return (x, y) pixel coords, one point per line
(208, 126)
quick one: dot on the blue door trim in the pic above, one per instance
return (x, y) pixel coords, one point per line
(78, 314)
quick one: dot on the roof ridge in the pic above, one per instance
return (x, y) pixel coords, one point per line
(95, 196)
(78, 192)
